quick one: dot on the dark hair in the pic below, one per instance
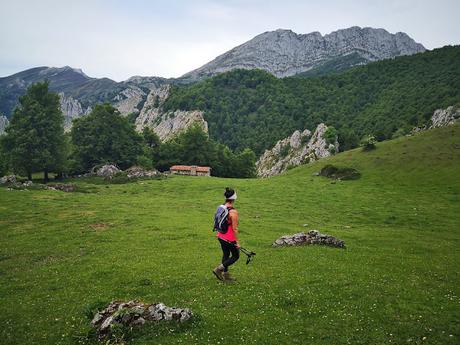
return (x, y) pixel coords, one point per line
(228, 193)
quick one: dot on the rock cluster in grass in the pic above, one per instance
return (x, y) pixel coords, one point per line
(65, 187)
(139, 172)
(110, 171)
(312, 237)
(107, 171)
(12, 182)
(135, 313)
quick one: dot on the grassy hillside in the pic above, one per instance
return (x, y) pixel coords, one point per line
(254, 109)
(62, 254)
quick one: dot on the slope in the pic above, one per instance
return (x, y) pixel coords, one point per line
(397, 281)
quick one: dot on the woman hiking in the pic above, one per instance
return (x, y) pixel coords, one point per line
(228, 239)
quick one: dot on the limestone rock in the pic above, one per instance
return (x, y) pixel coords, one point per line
(285, 53)
(127, 101)
(107, 171)
(445, 117)
(72, 109)
(64, 187)
(166, 124)
(299, 148)
(12, 182)
(139, 172)
(8, 180)
(3, 123)
(135, 313)
(312, 237)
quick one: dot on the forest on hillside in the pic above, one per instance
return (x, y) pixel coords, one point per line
(253, 109)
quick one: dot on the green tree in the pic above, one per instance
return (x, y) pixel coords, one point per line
(152, 144)
(3, 158)
(330, 135)
(34, 139)
(104, 136)
(196, 147)
(245, 164)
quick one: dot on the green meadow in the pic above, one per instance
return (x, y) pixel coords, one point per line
(64, 255)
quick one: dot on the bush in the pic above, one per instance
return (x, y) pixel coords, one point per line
(368, 143)
(285, 150)
(338, 173)
(330, 135)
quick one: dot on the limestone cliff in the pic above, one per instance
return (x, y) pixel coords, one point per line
(299, 148)
(445, 117)
(166, 124)
(128, 100)
(286, 53)
(3, 123)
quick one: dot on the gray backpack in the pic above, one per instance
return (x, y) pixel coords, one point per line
(221, 219)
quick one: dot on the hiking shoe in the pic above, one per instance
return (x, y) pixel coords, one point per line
(218, 271)
(228, 278)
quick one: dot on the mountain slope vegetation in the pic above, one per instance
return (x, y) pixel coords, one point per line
(254, 109)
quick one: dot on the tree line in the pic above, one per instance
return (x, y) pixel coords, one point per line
(35, 141)
(384, 99)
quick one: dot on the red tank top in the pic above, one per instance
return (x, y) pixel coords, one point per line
(230, 234)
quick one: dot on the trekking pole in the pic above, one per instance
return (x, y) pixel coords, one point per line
(250, 254)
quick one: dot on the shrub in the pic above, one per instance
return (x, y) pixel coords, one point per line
(339, 173)
(285, 150)
(330, 135)
(368, 143)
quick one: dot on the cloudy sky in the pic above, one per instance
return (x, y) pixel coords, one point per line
(119, 39)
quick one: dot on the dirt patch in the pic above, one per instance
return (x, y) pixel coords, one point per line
(340, 173)
(99, 226)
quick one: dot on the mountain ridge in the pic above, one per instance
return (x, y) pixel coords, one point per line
(283, 52)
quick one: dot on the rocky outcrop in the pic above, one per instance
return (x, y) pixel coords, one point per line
(107, 171)
(128, 100)
(135, 314)
(299, 148)
(285, 53)
(166, 124)
(64, 187)
(440, 118)
(312, 237)
(139, 172)
(445, 117)
(3, 123)
(71, 108)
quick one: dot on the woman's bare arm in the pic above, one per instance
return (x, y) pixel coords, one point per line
(234, 219)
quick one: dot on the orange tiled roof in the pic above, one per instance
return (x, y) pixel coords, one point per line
(189, 168)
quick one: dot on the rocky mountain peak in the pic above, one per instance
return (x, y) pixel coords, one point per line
(285, 53)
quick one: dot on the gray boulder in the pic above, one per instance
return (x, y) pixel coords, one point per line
(135, 314)
(139, 172)
(312, 237)
(107, 171)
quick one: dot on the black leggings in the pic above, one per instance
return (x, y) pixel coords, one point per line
(227, 248)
